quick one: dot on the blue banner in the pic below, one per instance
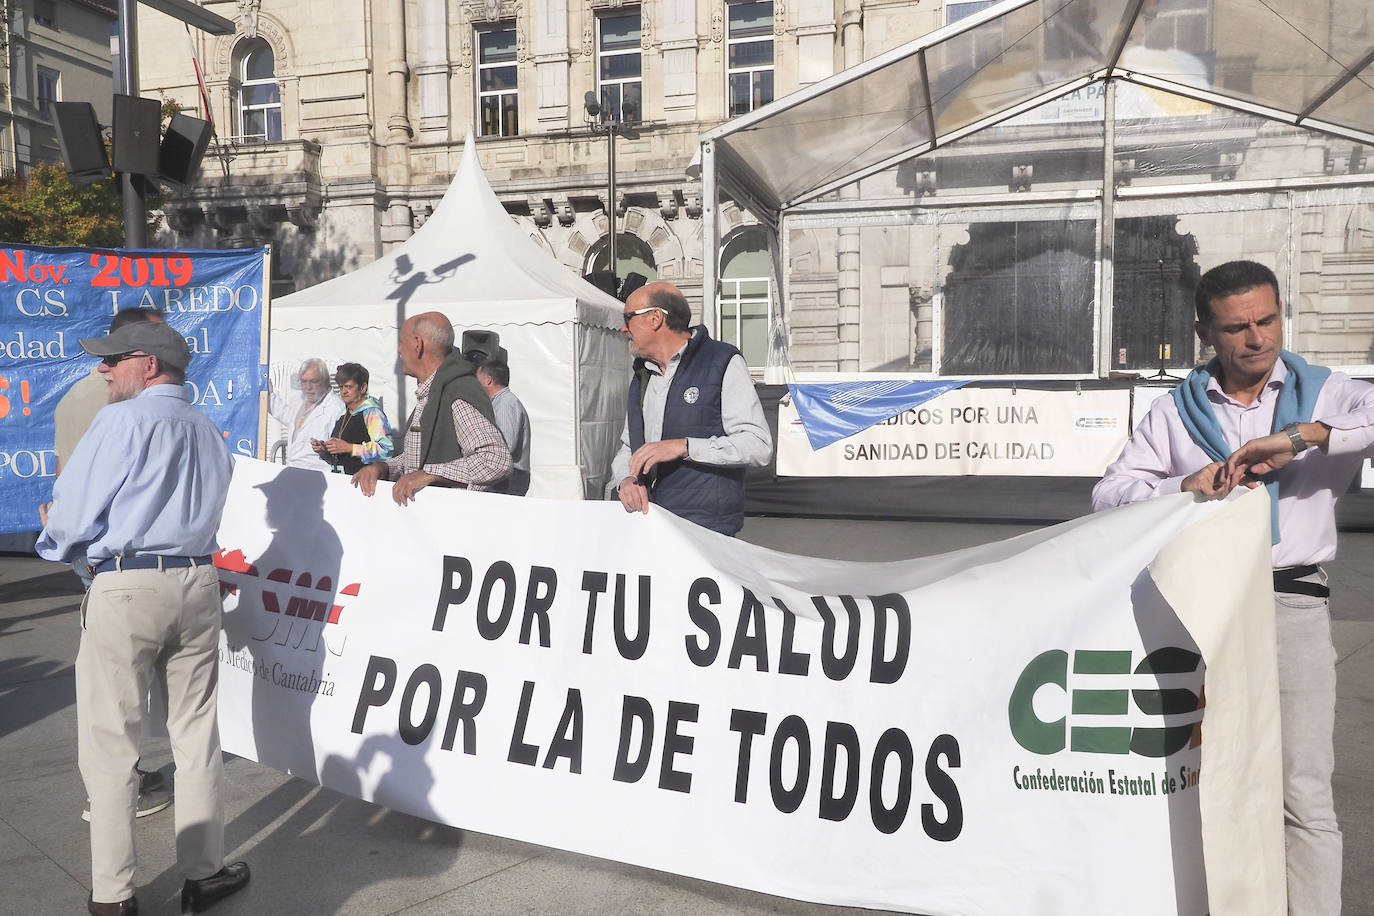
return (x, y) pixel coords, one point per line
(52, 297)
(832, 412)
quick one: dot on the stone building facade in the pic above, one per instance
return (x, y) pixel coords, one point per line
(340, 124)
(366, 112)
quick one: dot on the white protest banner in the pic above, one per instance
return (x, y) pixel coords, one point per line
(1005, 729)
(995, 431)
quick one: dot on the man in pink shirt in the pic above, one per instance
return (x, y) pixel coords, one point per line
(1258, 414)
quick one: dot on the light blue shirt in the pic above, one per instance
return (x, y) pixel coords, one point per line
(514, 424)
(150, 476)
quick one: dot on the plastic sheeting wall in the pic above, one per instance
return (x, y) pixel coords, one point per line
(1015, 292)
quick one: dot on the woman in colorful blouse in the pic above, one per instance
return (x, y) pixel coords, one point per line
(361, 434)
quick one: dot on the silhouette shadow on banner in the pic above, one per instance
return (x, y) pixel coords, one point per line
(285, 619)
(285, 629)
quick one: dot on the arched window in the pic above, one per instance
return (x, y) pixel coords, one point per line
(746, 284)
(632, 255)
(259, 97)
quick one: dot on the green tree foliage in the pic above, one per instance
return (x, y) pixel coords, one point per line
(47, 209)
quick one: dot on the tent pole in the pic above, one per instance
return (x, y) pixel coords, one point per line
(610, 202)
(710, 238)
(1107, 252)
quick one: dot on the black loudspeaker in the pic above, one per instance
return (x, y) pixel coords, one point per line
(632, 282)
(137, 129)
(78, 135)
(480, 346)
(183, 145)
(603, 280)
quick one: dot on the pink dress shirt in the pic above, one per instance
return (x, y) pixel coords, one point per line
(1160, 454)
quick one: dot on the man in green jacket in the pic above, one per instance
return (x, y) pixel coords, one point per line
(451, 439)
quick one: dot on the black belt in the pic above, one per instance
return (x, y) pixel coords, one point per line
(150, 561)
(1288, 581)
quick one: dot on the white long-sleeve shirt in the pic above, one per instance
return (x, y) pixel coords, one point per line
(1161, 453)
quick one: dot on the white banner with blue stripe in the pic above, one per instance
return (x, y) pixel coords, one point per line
(973, 431)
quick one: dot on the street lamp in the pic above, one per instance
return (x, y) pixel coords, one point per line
(599, 117)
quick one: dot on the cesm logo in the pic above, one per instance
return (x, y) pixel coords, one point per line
(1114, 688)
(286, 594)
(1096, 423)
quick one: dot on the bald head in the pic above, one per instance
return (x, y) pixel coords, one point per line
(425, 340)
(435, 329)
(657, 321)
(665, 296)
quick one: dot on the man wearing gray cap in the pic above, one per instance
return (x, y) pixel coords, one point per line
(141, 500)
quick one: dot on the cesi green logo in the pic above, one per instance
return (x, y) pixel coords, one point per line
(1051, 668)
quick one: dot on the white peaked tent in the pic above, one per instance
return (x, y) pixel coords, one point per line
(569, 363)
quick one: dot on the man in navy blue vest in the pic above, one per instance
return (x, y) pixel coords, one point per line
(693, 421)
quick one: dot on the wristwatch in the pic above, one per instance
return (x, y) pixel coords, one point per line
(1299, 443)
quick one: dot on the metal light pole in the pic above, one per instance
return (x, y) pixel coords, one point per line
(610, 197)
(600, 119)
(131, 186)
(133, 193)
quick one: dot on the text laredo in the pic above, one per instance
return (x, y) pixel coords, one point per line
(832, 758)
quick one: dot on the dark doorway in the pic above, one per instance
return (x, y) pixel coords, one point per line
(1156, 273)
(1019, 299)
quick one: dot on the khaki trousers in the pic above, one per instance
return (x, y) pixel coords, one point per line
(137, 625)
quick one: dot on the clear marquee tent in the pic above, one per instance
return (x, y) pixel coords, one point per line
(1033, 190)
(470, 261)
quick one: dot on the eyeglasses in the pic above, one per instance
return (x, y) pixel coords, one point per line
(313, 381)
(626, 316)
(113, 361)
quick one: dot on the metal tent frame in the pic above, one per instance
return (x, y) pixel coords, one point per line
(1306, 63)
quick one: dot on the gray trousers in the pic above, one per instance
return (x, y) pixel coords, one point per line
(1307, 706)
(137, 625)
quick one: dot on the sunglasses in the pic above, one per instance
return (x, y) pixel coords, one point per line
(113, 361)
(626, 316)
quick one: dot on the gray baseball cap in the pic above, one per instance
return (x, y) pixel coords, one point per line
(152, 337)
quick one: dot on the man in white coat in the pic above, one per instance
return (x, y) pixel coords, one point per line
(311, 417)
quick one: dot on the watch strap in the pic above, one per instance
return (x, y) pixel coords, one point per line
(1299, 443)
